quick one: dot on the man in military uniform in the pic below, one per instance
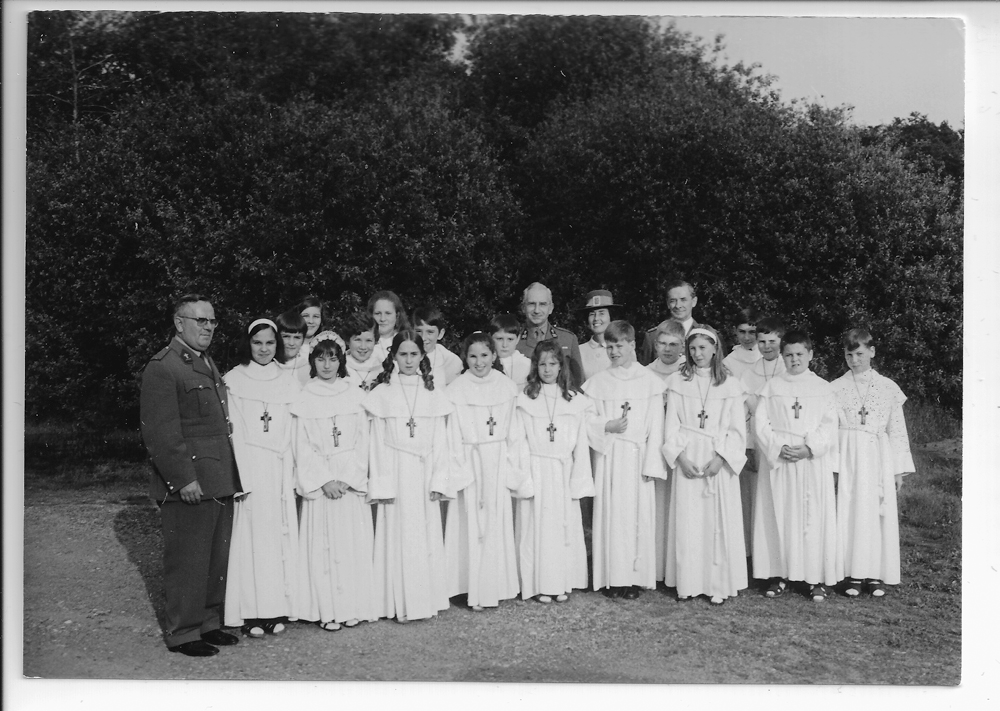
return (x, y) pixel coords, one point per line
(681, 301)
(537, 306)
(185, 427)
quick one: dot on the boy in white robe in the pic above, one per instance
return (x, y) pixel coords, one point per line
(795, 533)
(626, 437)
(505, 330)
(479, 533)
(874, 458)
(744, 353)
(705, 446)
(336, 537)
(428, 322)
(363, 368)
(769, 365)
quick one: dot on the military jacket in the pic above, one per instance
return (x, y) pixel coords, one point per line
(184, 416)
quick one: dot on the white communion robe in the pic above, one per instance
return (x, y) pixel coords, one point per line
(479, 534)
(298, 366)
(362, 375)
(795, 527)
(754, 378)
(623, 535)
(871, 454)
(445, 366)
(263, 571)
(383, 344)
(336, 537)
(741, 359)
(552, 553)
(517, 367)
(662, 486)
(705, 552)
(406, 464)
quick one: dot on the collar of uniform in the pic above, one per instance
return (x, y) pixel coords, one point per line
(197, 359)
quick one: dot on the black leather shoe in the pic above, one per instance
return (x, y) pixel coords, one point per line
(197, 648)
(632, 593)
(613, 592)
(220, 638)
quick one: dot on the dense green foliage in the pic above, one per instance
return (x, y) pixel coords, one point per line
(259, 157)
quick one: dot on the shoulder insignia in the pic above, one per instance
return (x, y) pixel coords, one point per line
(186, 357)
(161, 354)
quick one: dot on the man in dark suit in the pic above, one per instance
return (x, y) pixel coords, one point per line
(185, 427)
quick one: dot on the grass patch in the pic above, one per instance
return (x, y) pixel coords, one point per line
(77, 456)
(929, 422)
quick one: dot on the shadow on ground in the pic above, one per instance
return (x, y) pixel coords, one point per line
(137, 528)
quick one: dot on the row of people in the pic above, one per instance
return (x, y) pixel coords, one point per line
(481, 438)
(666, 486)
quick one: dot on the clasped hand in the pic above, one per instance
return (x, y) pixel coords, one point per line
(794, 454)
(334, 489)
(690, 471)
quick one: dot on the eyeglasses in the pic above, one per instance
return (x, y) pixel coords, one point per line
(203, 322)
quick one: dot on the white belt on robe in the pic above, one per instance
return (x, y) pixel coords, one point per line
(884, 455)
(711, 490)
(567, 470)
(422, 456)
(806, 508)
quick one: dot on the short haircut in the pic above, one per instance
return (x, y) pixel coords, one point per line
(796, 336)
(356, 325)
(770, 325)
(671, 328)
(857, 337)
(291, 321)
(327, 346)
(183, 301)
(619, 331)
(505, 323)
(431, 315)
(402, 322)
(748, 315)
(535, 285)
(244, 353)
(678, 283)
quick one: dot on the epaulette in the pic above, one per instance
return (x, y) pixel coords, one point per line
(161, 354)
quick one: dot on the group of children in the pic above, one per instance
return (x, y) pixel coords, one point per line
(384, 475)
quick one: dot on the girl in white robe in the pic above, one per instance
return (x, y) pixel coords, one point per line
(263, 556)
(552, 554)
(874, 458)
(626, 436)
(336, 537)
(410, 465)
(705, 445)
(795, 526)
(479, 534)
(363, 367)
(385, 308)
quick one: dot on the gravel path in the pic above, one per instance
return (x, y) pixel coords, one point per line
(93, 599)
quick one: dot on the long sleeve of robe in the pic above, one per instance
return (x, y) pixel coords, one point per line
(625, 465)
(705, 547)
(871, 453)
(479, 534)
(263, 556)
(336, 537)
(552, 554)
(406, 465)
(795, 530)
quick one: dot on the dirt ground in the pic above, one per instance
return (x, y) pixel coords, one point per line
(93, 603)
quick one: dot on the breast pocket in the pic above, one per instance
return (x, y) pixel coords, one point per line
(198, 399)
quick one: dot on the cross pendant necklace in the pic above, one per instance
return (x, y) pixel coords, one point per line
(266, 418)
(411, 423)
(773, 372)
(702, 416)
(863, 412)
(491, 422)
(625, 408)
(552, 417)
(796, 407)
(336, 433)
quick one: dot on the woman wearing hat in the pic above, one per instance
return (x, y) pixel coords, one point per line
(593, 353)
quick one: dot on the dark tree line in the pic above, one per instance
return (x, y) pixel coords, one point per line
(258, 157)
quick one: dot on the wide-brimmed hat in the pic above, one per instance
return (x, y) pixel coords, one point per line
(599, 299)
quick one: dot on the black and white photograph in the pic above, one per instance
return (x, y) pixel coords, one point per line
(562, 352)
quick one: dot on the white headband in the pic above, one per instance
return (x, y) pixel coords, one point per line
(259, 321)
(703, 332)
